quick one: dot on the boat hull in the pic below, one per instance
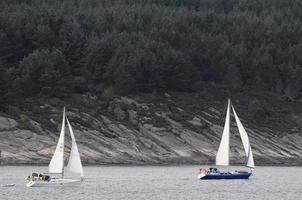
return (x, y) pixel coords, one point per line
(218, 176)
(52, 182)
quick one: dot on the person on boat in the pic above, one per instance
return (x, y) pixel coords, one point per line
(46, 178)
(34, 176)
(202, 171)
(28, 178)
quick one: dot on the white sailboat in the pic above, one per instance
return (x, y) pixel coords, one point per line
(57, 174)
(222, 156)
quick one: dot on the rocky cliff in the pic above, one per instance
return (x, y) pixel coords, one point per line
(152, 129)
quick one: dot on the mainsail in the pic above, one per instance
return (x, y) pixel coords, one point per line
(57, 162)
(74, 166)
(245, 141)
(222, 157)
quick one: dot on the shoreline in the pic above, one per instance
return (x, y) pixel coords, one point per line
(155, 165)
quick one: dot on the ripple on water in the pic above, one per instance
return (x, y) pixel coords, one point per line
(156, 182)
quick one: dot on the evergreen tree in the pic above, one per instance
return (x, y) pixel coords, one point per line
(232, 78)
(48, 47)
(43, 71)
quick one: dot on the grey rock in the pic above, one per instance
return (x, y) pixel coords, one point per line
(133, 117)
(7, 123)
(144, 131)
(119, 113)
(36, 126)
(195, 121)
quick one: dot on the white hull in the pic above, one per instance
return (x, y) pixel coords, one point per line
(53, 182)
(201, 175)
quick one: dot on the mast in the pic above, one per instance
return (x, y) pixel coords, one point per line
(63, 127)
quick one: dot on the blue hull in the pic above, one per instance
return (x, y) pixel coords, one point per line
(226, 176)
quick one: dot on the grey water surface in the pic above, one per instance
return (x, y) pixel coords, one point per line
(156, 182)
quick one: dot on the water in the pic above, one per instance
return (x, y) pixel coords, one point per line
(156, 182)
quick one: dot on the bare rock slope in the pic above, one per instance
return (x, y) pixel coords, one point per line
(150, 129)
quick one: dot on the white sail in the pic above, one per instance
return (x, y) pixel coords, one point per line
(250, 160)
(222, 157)
(74, 166)
(57, 162)
(245, 141)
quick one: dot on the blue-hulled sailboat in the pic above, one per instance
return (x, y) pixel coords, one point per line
(222, 157)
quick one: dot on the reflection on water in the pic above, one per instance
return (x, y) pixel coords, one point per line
(156, 182)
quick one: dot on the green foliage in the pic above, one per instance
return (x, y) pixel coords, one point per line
(25, 124)
(233, 78)
(107, 95)
(77, 46)
(294, 89)
(43, 71)
(3, 87)
(259, 110)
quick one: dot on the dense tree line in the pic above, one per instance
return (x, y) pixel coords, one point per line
(76, 46)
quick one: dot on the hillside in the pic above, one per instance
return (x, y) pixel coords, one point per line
(146, 81)
(61, 47)
(152, 129)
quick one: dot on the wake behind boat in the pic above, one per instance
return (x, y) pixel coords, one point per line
(222, 157)
(57, 174)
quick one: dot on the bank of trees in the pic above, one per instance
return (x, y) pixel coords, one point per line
(77, 46)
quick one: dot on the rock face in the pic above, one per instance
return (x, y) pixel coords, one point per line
(151, 129)
(7, 123)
